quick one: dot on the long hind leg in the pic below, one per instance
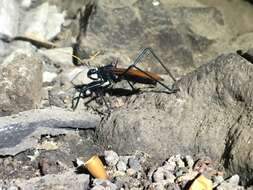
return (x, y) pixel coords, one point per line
(144, 52)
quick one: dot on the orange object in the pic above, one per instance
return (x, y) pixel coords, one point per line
(95, 166)
(201, 183)
(135, 73)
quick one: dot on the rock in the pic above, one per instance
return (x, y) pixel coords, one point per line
(26, 3)
(131, 172)
(217, 180)
(234, 180)
(189, 161)
(175, 34)
(60, 56)
(134, 164)
(177, 160)
(121, 166)
(229, 186)
(180, 123)
(48, 77)
(98, 187)
(23, 131)
(163, 176)
(111, 158)
(60, 98)
(21, 83)
(9, 16)
(66, 180)
(43, 22)
(104, 183)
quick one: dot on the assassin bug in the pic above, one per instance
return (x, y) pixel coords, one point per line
(103, 78)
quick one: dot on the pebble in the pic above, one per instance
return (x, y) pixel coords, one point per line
(134, 164)
(121, 166)
(189, 161)
(106, 184)
(131, 172)
(217, 180)
(235, 179)
(111, 158)
(161, 175)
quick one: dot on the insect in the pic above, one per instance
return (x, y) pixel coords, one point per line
(103, 77)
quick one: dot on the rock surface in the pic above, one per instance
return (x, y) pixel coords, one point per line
(20, 83)
(212, 114)
(21, 132)
(44, 22)
(9, 17)
(175, 33)
(67, 180)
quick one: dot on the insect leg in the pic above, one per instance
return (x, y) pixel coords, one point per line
(140, 56)
(131, 85)
(171, 90)
(74, 105)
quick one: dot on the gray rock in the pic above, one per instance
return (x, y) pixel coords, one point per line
(180, 123)
(229, 186)
(189, 161)
(98, 187)
(217, 180)
(20, 83)
(43, 22)
(134, 164)
(104, 183)
(111, 158)
(163, 176)
(131, 172)
(121, 166)
(48, 77)
(61, 56)
(64, 181)
(9, 16)
(235, 179)
(176, 44)
(21, 132)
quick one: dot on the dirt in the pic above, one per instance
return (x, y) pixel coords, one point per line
(54, 154)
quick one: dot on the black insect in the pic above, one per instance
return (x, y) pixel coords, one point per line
(103, 78)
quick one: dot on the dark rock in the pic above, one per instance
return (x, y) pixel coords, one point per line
(20, 83)
(21, 132)
(212, 114)
(126, 27)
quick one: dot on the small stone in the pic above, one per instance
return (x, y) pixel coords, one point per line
(121, 166)
(48, 76)
(111, 158)
(118, 174)
(189, 161)
(104, 183)
(13, 187)
(228, 186)
(181, 171)
(155, 3)
(26, 3)
(235, 179)
(131, 172)
(134, 164)
(98, 187)
(161, 175)
(217, 180)
(124, 159)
